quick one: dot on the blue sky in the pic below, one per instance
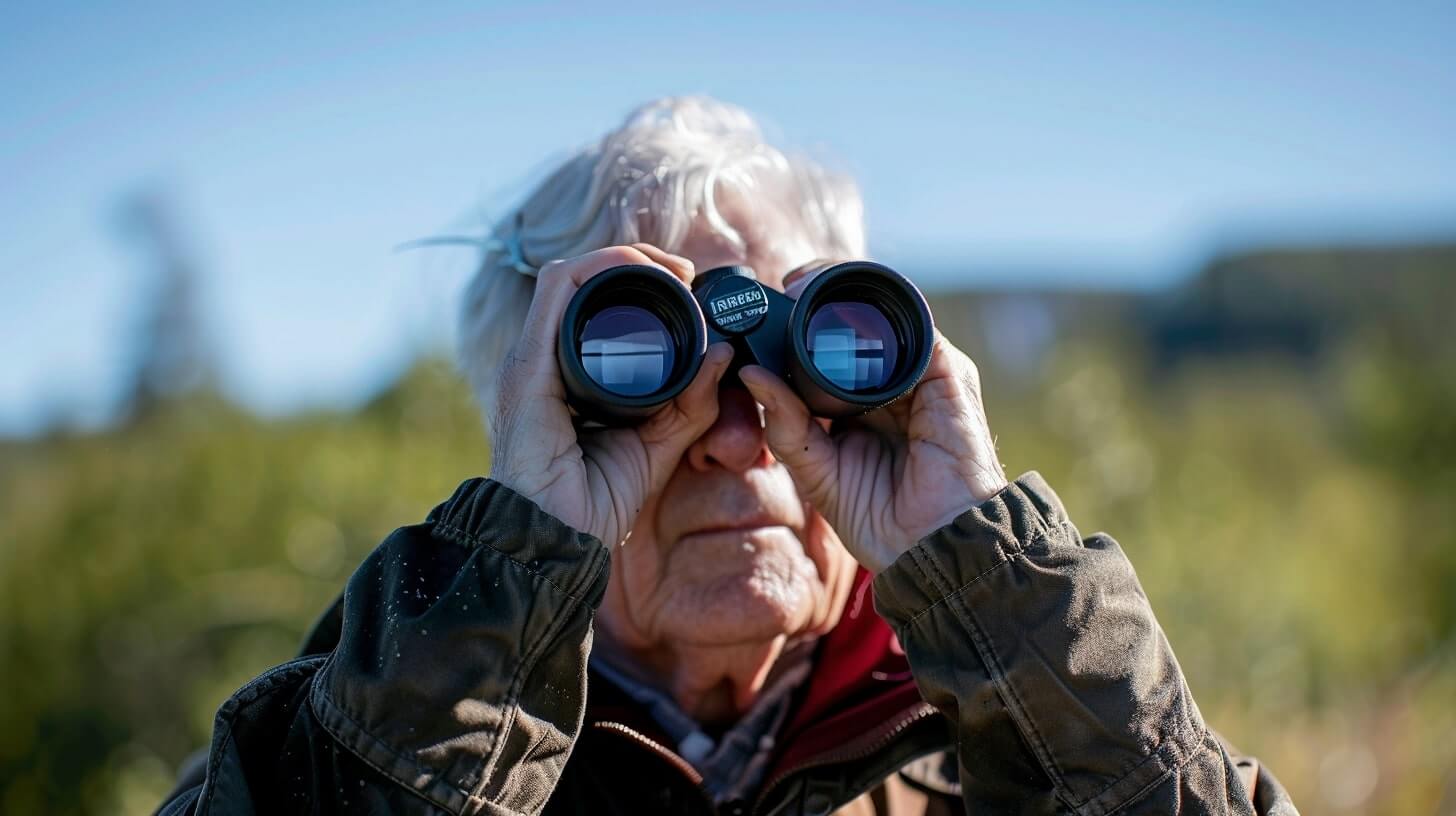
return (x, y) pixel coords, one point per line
(1110, 143)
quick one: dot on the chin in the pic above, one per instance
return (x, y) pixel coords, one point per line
(739, 587)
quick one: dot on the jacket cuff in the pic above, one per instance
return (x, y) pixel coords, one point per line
(484, 512)
(976, 542)
(460, 668)
(1044, 646)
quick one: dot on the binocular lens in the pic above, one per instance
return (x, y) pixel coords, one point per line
(627, 350)
(857, 337)
(631, 339)
(853, 345)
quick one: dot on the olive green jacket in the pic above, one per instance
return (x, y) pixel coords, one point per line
(1021, 671)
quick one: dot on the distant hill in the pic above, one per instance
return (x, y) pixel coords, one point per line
(1304, 301)
(1299, 303)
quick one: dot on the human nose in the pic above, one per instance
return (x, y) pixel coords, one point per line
(736, 440)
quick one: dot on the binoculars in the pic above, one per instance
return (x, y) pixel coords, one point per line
(633, 337)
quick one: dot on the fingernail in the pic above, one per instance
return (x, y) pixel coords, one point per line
(715, 362)
(792, 290)
(796, 280)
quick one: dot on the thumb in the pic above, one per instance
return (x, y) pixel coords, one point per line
(795, 438)
(669, 432)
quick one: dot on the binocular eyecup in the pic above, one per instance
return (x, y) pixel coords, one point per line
(858, 337)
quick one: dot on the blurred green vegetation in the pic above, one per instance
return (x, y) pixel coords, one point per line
(1288, 504)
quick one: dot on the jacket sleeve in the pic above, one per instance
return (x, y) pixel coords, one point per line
(457, 683)
(1043, 650)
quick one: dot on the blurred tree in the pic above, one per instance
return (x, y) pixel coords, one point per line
(171, 353)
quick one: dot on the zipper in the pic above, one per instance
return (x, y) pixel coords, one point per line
(856, 749)
(665, 753)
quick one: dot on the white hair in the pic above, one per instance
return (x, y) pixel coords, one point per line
(654, 179)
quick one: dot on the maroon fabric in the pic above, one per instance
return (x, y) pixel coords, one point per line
(861, 679)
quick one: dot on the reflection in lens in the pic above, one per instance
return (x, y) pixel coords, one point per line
(853, 345)
(627, 350)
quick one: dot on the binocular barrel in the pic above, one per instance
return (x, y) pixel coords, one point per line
(858, 337)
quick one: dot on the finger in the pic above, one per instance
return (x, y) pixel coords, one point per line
(793, 435)
(696, 408)
(948, 361)
(795, 281)
(668, 433)
(952, 384)
(558, 281)
(950, 414)
(888, 421)
(530, 370)
(676, 264)
(699, 401)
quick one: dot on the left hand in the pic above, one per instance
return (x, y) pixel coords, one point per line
(888, 478)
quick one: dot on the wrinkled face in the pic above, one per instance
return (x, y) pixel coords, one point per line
(727, 554)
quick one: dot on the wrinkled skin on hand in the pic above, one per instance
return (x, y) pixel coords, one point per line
(745, 514)
(883, 480)
(888, 478)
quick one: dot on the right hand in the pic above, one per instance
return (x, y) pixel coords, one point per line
(596, 481)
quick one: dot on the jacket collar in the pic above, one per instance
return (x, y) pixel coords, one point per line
(860, 685)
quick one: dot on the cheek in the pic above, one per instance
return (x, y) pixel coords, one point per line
(837, 571)
(638, 562)
(824, 548)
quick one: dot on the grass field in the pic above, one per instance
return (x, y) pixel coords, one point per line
(1292, 521)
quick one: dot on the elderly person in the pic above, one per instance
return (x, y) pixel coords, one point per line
(733, 607)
